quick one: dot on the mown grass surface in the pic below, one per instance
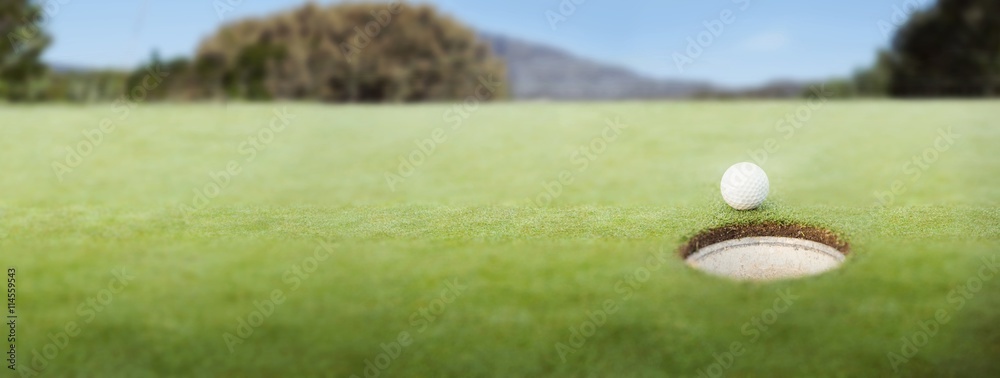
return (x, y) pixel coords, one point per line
(531, 274)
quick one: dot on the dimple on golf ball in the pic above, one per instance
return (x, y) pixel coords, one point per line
(744, 186)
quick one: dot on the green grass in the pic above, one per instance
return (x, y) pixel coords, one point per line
(531, 273)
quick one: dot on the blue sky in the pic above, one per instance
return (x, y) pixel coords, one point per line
(768, 40)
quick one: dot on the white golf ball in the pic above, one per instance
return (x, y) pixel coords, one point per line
(745, 186)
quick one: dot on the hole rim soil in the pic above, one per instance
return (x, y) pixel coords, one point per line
(736, 231)
(731, 232)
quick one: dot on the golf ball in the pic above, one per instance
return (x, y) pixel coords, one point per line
(744, 186)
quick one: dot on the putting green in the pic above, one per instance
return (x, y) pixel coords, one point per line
(530, 239)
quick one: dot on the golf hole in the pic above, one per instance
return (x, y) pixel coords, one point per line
(765, 252)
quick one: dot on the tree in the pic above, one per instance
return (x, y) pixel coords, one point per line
(951, 49)
(347, 53)
(20, 64)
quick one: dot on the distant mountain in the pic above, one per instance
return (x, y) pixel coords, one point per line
(540, 72)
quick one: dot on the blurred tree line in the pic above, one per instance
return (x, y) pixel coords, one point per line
(356, 52)
(396, 52)
(951, 49)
